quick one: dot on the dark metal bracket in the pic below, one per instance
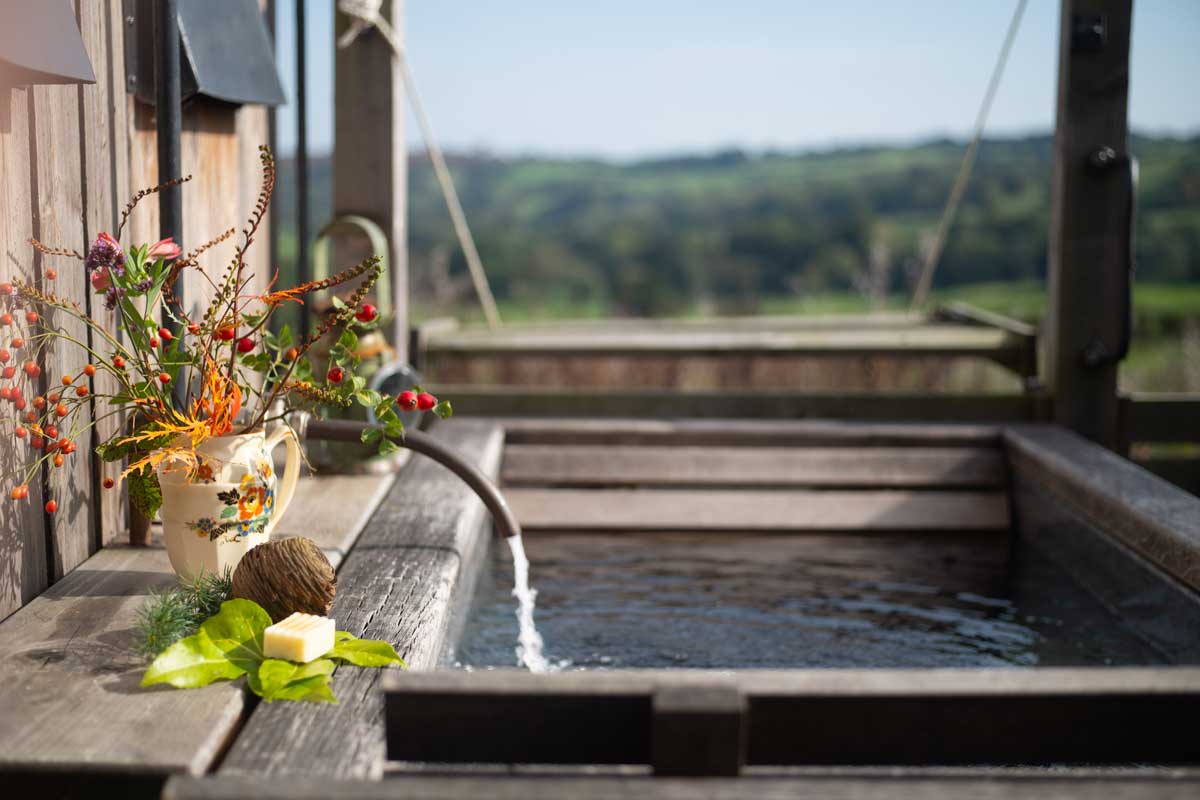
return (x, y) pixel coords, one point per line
(1101, 160)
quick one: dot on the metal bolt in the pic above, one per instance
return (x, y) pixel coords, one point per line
(1102, 157)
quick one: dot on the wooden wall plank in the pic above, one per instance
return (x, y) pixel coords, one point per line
(106, 172)
(604, 465)
(748, 510)
(60, 198)
(23, 559)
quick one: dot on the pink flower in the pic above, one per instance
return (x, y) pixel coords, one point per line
(101, 280)
(164, 248)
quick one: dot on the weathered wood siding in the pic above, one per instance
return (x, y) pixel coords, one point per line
(70, 156)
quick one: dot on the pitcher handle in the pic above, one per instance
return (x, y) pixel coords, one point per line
(291, 473)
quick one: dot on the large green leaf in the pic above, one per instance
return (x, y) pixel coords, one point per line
(364, 652)
(144, 491)
(237, 631)
(190, 663)
(283, 680)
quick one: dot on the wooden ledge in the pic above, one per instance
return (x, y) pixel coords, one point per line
(1155, 519)
(71, 698)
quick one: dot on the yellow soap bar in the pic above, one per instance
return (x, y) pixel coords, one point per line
(300, 637)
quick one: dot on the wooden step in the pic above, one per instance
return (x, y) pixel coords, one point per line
(750, 510)
(890, 467)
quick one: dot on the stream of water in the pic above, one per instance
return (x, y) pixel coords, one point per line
(529, 642)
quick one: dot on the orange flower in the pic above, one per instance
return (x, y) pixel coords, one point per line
(250, 504)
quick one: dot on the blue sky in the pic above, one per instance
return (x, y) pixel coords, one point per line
(623, 79)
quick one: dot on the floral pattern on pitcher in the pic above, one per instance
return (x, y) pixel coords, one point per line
(248, 508)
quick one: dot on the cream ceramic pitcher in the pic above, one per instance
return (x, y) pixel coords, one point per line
(230, 504)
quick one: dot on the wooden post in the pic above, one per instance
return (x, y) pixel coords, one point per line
(1089, 224)
(370, 159)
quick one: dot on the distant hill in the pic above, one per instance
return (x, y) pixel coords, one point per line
(727, 229)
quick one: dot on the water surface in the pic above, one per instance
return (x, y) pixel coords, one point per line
(778, 601)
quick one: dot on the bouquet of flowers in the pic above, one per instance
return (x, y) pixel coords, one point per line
(178, 380)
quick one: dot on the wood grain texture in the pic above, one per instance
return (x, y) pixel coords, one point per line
(23, 557)
(332, 510)
(106, 175)
(71, 699)
(744, 432)
(607, 787)
(604, 465)
(60, 209)
(749, 510)
(1158, 521)
(397, 584)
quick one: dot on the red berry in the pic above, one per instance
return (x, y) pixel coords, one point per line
(407, 400)
(367, 313)
(59, 461)
(226, 334)
(292, 354)
(426, 401)
(19, 492)
(193, 328)
(51, 431)
(51, 274)
(17, 343)
(19, 402)
(89, 370)
(30, 417)
(66, 380)
(53, 397)
(6, 319)
(335, 375)
(5, 356)
(32, 369)
(8, 372)
(165, 334)
(245, 344)
(164, 378)
(6, 393)
(20, 432)
(118, 362)
(51, 506)
(107, 483)
(6, 288)
(66, 446)
(39, 402)
(31, 317)
(153, 342)
(37, 443)
(81, 391)
(61, 410)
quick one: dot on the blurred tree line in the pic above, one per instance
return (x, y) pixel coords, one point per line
(721, 232)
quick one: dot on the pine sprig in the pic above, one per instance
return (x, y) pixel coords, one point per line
(177, 613)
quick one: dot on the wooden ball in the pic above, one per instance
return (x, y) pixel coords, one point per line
(286, 576)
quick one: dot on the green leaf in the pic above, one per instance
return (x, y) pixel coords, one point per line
(363, 652)
(282, 680)
(348, 341)
(444, 409)
(237, 631)
(387, 447)
(370, 435)
(144, 492)
(284, 340)
(190, 663)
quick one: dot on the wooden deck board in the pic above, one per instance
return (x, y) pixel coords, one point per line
(606, 465)
(608, 787)
(746, 432)
(397, 584)
(71, 700)
(754, 510)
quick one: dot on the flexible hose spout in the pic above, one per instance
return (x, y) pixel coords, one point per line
(336, 430)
